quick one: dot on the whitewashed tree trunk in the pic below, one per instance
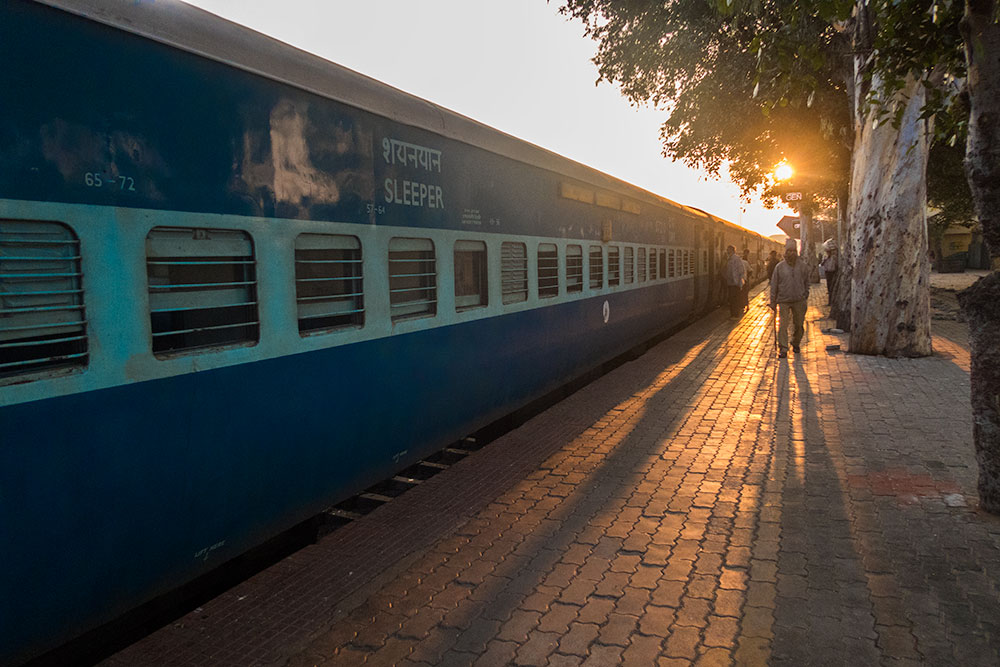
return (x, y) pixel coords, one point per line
(890, 272)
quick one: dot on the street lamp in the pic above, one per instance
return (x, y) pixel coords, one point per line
(783, 171)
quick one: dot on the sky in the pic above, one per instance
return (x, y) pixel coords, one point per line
(516, 65)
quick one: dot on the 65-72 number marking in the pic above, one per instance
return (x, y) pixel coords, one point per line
(95, 179)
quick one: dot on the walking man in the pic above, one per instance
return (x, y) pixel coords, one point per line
(735, 275)
(789, 295)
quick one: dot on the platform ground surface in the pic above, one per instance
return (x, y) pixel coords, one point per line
(706, 503)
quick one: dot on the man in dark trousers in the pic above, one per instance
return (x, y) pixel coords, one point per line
(790, 295)
(735, 275)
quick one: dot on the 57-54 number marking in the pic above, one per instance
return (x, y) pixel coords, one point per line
(94, 179)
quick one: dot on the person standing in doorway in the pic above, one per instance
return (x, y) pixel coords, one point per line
(789, 297)
(747, 275)
(735, 275)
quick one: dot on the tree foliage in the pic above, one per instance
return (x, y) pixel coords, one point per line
(704, 69)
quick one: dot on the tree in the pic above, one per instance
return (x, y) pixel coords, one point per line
(702, 68)
(981, 302)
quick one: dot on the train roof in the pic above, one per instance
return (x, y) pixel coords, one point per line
(198, 31)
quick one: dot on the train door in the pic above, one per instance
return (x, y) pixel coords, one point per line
(698, 287)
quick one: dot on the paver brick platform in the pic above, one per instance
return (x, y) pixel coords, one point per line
(706, 503)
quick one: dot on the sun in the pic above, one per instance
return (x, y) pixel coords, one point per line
(783, 171)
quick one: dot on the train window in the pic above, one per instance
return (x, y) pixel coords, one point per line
(629, 265)
(548, 270)
(412, 278)
(671, 265)
(652, 264)
(574, 268)
(641, 264)
(663, 263)
(202, 288)
(42, 319)
(329, 287)
(687, 262)
(614, 267)
(596, 267)
(514, 272)
(704, 261)
(471, 284)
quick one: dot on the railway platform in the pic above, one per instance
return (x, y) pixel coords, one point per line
(705, 503)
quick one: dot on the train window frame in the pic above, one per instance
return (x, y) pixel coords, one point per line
(596, 278)
(641, 266)
(663, 263)
(652, 264)
(471, 272)
(574, 268)
(202, 286)
(329, 272)
(412, 269)
(628, 265)
(671, 264)
(513, 272)
(548, 270)
(614, 266)
(43, 317)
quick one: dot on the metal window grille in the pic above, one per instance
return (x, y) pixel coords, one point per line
(548, 270)
(704, 261)
(663, 263)
(629, 265)
(652, 264)
(43, 322)
(513, 272)
(202, 288)
(471, 284)
(574, 268)
(672, 265)
(641, 264)
(614, 267)
(329, 286)
(596, 267)
(412, 278)
(687, 262)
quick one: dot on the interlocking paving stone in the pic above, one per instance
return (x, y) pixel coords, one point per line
(705, 503)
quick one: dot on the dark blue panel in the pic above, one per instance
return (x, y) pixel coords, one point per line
(110, 118)
(116, 495)
(98, 116)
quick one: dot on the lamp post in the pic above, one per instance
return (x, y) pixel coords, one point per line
(783, 173)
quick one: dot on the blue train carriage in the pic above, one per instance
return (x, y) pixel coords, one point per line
(239, 283)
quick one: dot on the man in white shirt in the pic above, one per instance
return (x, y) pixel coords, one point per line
(790, 295)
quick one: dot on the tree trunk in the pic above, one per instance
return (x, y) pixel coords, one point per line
(890, 294)
(981, 302)
(840, 306)
(808, 242)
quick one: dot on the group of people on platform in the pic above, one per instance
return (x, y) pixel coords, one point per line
(789, 288)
